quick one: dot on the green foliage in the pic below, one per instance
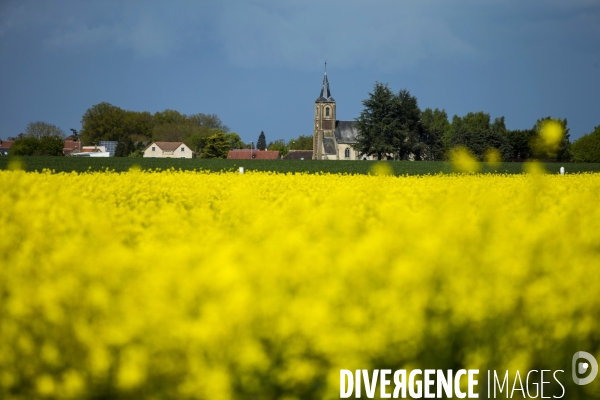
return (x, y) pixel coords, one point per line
(261, 144)
(587, 147)
(280, 146)
(562, 153)
(176, 131)
(208, 120)
(137, 154)
(107, 122)
(435, 126)
(217, 146)
(26, 146)
(102, 122)
(301, 143)
(235, 142)
(42, 129)
(138, 124)
(520, 143)
(51, 146)
(125, 147)
(475, 132)
(168, 117)
(33, 146)
(377, 126)
(391, 125)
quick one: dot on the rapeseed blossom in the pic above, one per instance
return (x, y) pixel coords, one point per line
(219, 285)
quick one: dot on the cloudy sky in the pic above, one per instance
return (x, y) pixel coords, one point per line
(258, 64)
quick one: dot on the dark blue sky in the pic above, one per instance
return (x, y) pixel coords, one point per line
(258, 64)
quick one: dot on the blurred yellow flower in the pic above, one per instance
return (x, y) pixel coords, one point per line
(463, 160)
(220, 285)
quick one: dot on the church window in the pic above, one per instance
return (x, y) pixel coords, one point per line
(347, 153)
(327, 111)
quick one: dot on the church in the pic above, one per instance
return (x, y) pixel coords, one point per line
(333, 139)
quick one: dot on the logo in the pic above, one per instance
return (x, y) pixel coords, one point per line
(582, 367)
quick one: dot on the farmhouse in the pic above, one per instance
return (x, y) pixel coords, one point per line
(332, 139)
(167, 150)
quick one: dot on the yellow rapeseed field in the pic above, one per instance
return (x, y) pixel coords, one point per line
(194, 285)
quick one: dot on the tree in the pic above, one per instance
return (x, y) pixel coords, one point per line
(174, 132)
(32, 146)
(559, 151)
(209, 121)
(41, 129)
(19, 136)
(587, 147)
(168, 117)
(280, 146)
(520, 143)
(235, 141)
(26, 146)
(261, 144)
(409, 138)
(107, 122)
(301, 143)
(125, 147)
(435, 125)
(138, 124)
(475, 132)
(198, 139)
(51, 146)
(217, 146)
(377, 126)
(102, 122)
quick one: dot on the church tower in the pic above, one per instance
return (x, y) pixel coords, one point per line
(323, 134)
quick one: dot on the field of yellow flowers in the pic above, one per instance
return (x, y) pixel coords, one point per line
(194, 285)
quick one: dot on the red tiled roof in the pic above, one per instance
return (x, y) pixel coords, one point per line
(70, 145)
(5, 144)
(245, 154)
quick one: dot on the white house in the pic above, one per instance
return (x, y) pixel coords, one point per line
(168, 150)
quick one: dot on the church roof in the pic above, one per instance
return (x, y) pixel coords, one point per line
(346, 132)
(325, 95)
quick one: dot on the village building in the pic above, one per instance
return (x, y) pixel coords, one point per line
(333, 139)
(299, 155)
(168, 150)
(5, 146)
(253, 154)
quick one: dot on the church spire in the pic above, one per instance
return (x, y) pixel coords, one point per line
(325, 93)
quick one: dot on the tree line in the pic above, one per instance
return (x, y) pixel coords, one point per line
(205, 134)
(393, 126)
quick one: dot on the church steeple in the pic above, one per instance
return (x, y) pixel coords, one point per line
(325, 93)
(324, 143)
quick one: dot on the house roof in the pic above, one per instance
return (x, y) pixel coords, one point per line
(246, 154)
(69, 146)
(298, 155)
(167, 146)
(6, 144)
(346, 132)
